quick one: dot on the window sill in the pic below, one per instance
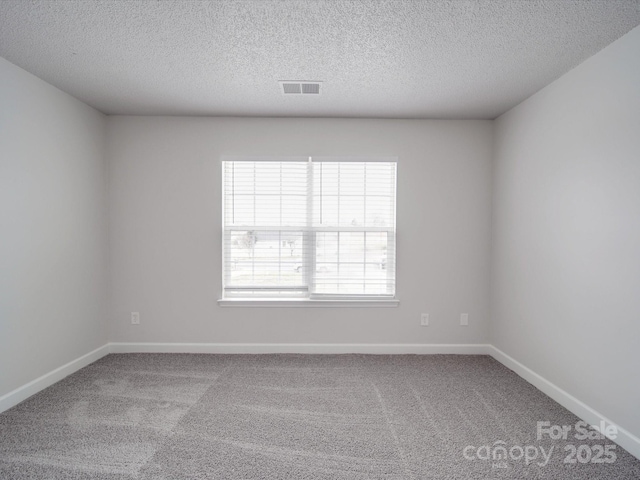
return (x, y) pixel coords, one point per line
(307, 302)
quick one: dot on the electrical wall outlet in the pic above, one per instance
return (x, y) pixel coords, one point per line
(424, 319)
(135, 318)
(464, 319)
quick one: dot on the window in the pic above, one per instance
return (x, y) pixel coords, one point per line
(309, 228)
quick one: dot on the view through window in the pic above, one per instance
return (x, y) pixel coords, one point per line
(309, 227)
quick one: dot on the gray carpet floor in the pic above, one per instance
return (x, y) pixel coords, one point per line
(181, 416)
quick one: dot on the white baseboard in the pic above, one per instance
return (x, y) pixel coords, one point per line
(22, 393)
(317, 348)
(625, 439)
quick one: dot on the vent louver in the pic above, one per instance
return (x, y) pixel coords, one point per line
(289, 88)
(297, 87)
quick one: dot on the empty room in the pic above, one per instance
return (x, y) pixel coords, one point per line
(319, 239)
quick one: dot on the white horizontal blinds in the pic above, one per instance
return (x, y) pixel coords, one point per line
(266, 194)
(354, 220)
(265, 227)
(301, 227)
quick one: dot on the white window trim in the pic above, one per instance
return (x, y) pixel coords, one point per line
(315, 301)
(308, 302)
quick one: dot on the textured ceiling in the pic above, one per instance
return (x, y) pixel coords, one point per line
(376, 58)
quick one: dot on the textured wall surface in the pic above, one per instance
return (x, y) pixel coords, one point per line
(566, 231)
(52, 228)
(377, 58)
(165, 229)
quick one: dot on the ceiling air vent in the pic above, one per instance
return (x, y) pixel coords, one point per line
(298, 87)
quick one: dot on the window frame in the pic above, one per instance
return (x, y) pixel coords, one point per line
(309, 232)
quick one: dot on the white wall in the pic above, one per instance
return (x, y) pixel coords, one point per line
(566, 232)
(165, 235)
(52, 228)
